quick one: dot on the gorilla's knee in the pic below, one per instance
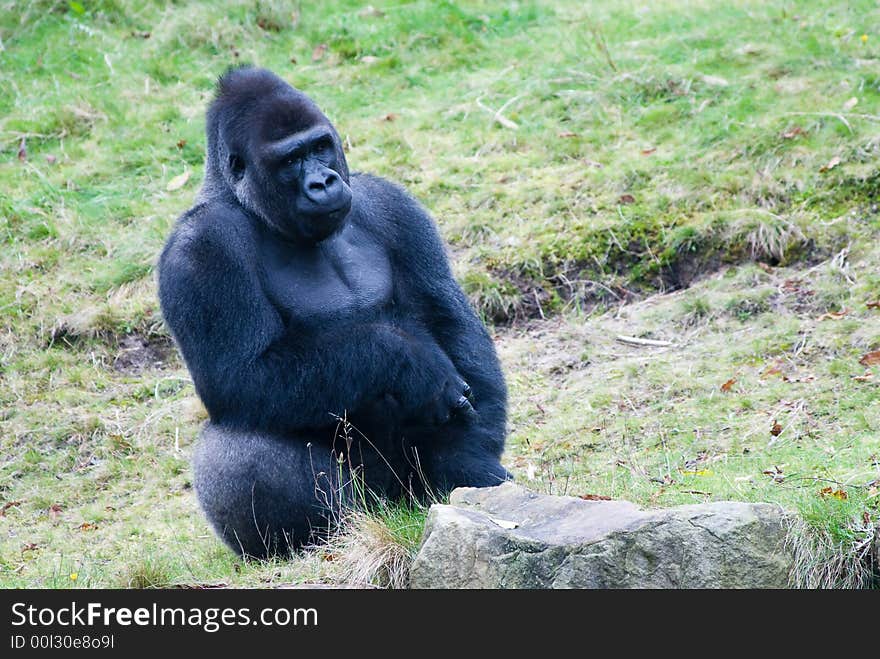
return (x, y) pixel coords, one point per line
(264, 495)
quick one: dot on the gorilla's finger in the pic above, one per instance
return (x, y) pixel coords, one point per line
(464, 408)
(467, 391)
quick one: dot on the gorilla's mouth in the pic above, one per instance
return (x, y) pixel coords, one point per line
(340, 211)
(319, 226)
(332, 209)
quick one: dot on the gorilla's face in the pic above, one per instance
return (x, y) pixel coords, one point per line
(301, 181)
(290, 168)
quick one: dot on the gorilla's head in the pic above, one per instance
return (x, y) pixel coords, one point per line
(280, 156)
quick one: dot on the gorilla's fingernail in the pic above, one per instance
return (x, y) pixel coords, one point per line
(462, 403)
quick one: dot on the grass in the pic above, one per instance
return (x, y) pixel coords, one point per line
(375, 547)
(687, 171)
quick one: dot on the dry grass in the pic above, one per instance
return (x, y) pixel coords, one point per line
(368, 552)
(822, 560)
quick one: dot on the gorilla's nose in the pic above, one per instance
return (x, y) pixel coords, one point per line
(318, 185)
(322, 186)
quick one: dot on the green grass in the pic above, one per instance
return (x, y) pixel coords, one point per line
(598, 169)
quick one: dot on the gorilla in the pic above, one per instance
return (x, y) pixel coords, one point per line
(316, 312)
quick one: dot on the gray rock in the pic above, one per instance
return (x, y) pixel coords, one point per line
(509, 537)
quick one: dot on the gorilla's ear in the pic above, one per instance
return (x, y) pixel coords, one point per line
(236, 166)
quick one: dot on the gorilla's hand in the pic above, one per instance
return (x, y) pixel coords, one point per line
(453, 399)
(429, 388)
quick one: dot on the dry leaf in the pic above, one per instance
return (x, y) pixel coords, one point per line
(850, 104)
(88, 526)
(51, 159)
(594, 497)
(793, 132)
(389, 117)
(566, 133)
(727, 386)
(181, 144)
(593, 163)
(830, 492)
(866, 377)
(834, 162)
(765, 267)
(874, 304)
(776, 473)
(319, 52)
(22, 149)
(697, 472)
(649, 150)
(30, 546)
(504, 523)
(774, 369)
(833, 315)
(369, 59)
(776, 430)
(54, 511)
(6, 506)
(870, 358)
(626, 199)
(177, 182)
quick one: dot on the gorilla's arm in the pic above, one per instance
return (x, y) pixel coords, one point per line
(446, 313)
(248, 371)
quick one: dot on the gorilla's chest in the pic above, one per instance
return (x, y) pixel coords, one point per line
(342, 277)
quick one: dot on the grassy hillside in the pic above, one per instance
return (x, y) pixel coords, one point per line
(702, 174)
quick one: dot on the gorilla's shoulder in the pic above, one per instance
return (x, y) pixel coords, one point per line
(388, 207)
(373, 189)
(206, 231)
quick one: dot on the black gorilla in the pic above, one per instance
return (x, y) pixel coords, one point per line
(300, 296)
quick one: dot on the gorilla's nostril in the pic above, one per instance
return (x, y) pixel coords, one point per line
(321, 183)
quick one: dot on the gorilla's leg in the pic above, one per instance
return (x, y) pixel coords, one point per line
(264, 494)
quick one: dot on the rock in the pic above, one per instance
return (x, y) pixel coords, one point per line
(509, 537)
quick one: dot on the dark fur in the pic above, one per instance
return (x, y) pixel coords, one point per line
(284, 329)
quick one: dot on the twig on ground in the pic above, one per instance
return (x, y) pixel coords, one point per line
(497, 114)
(636, 341)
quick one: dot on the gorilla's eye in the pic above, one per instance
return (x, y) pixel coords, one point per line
(322, 144)
(236, 166)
